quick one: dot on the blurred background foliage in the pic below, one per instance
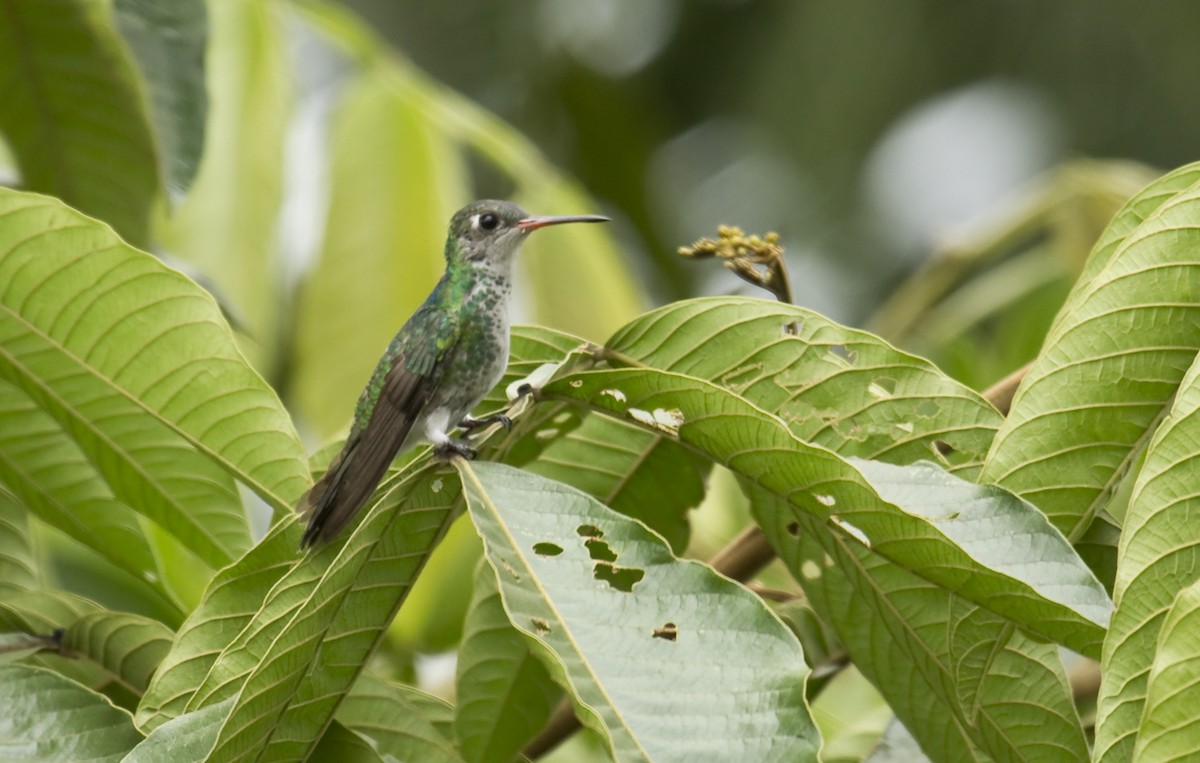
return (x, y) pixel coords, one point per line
(937, 171)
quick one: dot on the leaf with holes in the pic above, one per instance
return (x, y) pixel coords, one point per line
(630, 631)
(1038, 582)
(1159, 556)
(136, 363)
(1112, 362)
(833, 386)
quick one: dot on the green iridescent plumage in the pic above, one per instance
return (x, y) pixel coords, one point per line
(444, 360)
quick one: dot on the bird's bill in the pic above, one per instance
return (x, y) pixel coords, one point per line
(533, 223)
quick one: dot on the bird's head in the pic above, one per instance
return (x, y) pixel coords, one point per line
(488, 233)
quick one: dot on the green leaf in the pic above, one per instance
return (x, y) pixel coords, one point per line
(402, 722)
(42, 465)
(1159, 556)
(308, 642)
(15, 647)
(227, 227)
(638, 473)
(855, 394)
(167, 40)
(235, 595)
(186, 739)
(300, 629)
(231, 600)
(1172, 712)
(73, 114)
(833, 386)
(395, 180)
(136, 362)
(972, 687)
(504, 694)
(897, 746)
(49, 718)
(115, 663)
(953, 549)
(1111, 363)
(639, 667)
(628, 469)
(341, 745)
(18, 566)
(129, 647)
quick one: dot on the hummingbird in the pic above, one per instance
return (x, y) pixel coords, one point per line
(440, 365)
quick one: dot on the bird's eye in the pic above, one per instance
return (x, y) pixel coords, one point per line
(488, 221)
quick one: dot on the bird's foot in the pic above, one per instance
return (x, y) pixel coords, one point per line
(470, 424)
(451, 448)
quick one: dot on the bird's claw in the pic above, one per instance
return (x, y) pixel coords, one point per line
(451, 448)
(471, 424)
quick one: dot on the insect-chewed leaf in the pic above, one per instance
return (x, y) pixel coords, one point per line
(939, 543)
(630, 631)
(834, 386)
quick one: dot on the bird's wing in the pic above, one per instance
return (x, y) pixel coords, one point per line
(401, 386)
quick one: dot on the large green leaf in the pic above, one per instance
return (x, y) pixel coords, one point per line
(43, 612)
(42, 464)
(341, 745)
(1172, 711)
(856, 394)
(167, 39)
(50, 719)
(964, 551)
(631, 631)
(231, 600)
(965, 682)
(834, 386)
(504, 693)
(186, 739)
(73, 113)
(18, 567)
(136, 363)
(402, 722)
(1112, 361)
(304, 647)
(129, 647)
(228, 226)
(1159, 556)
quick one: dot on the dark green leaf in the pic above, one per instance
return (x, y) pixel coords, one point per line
(73, 114)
